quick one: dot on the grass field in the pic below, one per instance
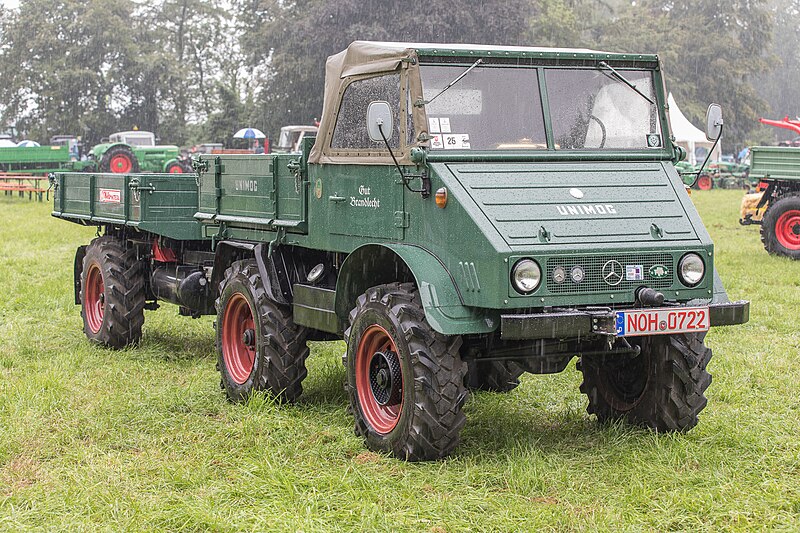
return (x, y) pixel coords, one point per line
(143, 439)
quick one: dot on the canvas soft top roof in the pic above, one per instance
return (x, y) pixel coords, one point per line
(368, 57)
(363, 57)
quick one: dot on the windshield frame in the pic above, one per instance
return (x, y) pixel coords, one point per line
(664, 152)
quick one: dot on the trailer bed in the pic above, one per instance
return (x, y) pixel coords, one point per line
(163, 204)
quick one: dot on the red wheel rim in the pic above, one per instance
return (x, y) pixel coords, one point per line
(787, 229)
(238, 338)
(94, 301)
(121, 164)
(383, 418)
(704, 183)
(175, 169)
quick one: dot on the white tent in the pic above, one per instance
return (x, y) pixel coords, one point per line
(691, 138)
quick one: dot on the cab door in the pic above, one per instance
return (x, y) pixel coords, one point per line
(363, 194)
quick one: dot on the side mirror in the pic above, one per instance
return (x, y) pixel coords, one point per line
(379, 118)
(713, 122)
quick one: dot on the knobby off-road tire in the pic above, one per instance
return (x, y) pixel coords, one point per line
(494, 376)
(112, 293)
(119, 160)
(780, 227)
(259, 346)
(662, 388)
(405, 380)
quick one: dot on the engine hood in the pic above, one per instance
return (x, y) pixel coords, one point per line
(533, 205)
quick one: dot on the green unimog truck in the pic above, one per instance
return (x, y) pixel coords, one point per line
(466, 214)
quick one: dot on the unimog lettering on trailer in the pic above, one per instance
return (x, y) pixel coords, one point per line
(556, 226)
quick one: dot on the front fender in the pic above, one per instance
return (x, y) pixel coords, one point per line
(376, 264)
(100, 149)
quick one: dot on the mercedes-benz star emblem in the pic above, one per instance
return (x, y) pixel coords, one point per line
(612, 273)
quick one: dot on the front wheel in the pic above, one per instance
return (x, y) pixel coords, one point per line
(258, 344)
(405, 380)
(661, 388)
(176, 167)
(780, 227)
(705, 182)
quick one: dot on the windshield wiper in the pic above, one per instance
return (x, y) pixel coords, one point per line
(420, 103)
(624, 80)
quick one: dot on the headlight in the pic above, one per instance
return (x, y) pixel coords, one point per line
(526, 276)
(691, 269)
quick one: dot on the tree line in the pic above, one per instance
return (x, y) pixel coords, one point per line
(197, 70)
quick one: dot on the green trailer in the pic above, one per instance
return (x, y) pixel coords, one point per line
(466, 214)
(39, 160)
(776, 205)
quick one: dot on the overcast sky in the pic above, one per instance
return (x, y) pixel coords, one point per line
(9, 3)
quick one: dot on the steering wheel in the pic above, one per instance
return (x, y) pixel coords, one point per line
(602, 130)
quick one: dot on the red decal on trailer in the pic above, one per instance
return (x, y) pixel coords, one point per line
(110, 196)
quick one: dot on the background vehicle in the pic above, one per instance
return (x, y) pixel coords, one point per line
(40, 160)
(292, 136)
(136, 151)
(776, 205)
(452, 240)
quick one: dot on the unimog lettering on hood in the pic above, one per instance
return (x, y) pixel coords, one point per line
(550, 229)
(597, 209)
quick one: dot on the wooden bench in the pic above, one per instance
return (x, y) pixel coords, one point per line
(34, 186)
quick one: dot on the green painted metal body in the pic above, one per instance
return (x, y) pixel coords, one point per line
(775, 163)
(502, 206)
(39, 160)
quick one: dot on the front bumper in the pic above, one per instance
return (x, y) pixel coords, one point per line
(574, 323)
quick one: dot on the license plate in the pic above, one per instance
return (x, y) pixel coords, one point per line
(662, 321)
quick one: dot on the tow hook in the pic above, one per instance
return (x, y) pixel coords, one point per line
(647, 297)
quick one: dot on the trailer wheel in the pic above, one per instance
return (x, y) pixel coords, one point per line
(494, 376)
(258, 344)
(119, 160)
(112, 293)
(780, 227)
(405, 380)
(662, 388)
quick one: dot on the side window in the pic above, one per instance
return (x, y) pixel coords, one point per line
(351, 124)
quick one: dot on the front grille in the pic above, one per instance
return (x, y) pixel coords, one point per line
(593, 267)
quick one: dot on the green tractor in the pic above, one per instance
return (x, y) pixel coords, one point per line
(466, 214)
(136, 151)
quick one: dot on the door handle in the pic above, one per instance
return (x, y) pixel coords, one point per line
(337, 199)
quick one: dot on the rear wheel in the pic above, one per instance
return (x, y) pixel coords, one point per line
(112, 293)
(405, 380)
(119, 160)
(662, 388)
(258, 344)
(780, 227)
(494, 376)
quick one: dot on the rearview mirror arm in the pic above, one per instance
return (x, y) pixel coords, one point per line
(708, 156)
(425, 190)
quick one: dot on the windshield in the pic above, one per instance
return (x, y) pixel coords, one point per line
(591, 109)
(139, 140)
(500, 108)
(491, 108)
